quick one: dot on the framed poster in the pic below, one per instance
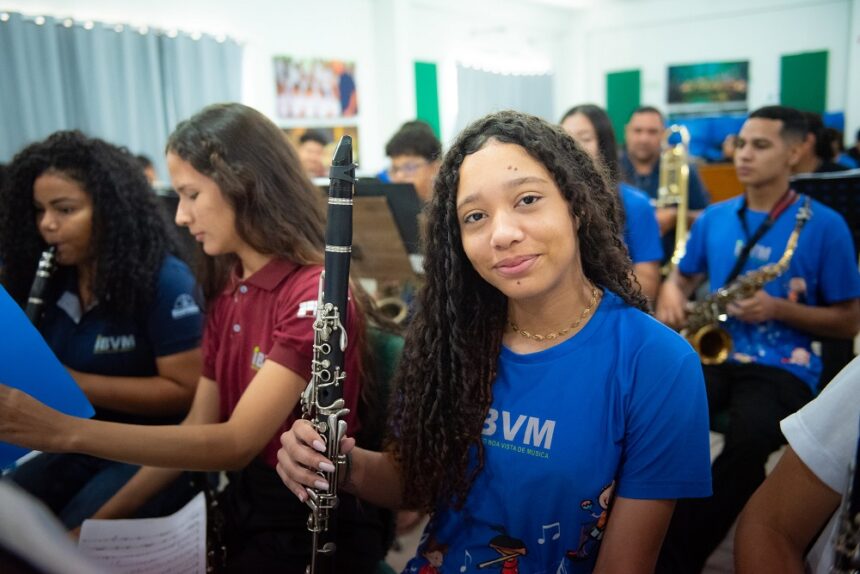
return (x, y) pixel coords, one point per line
(707, 88)
(331, 134)
(315, 88)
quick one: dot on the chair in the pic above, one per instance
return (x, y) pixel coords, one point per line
(721, 180)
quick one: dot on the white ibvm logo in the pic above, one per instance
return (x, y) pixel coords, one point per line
(537, 433)
(184, 306)
(307, 309)
(114, 344)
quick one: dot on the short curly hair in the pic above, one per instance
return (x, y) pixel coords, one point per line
(414, 138)
(444, 380)
(130, 233)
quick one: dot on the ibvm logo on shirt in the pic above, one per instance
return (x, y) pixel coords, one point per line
(524, 434)
(114, 344)
(184, 306)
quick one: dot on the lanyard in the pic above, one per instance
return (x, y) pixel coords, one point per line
(778, 209)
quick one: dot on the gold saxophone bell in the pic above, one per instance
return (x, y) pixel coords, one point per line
(394, 308)
(712, 343)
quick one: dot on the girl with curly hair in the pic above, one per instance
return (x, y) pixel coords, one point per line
(244, 197)
(531, 378)
(120, 312)
(592, 129)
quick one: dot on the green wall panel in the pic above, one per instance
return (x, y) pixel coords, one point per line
(427, 94)
(622, 97)
(803, 81)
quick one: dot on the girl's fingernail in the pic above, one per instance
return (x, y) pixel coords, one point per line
(321, 485)
(326, 466)
(317, 444)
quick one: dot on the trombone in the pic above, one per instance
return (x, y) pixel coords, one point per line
(674, 186)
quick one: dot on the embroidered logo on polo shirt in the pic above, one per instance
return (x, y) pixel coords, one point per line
(114, 344)
(257, 359)
(307, 309)
(184, 306)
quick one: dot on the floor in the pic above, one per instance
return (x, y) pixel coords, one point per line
(720, 562)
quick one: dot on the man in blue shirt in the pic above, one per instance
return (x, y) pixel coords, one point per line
(640, 167)
(771, 370)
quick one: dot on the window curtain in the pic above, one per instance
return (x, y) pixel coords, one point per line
(480, 93)
(127, 85)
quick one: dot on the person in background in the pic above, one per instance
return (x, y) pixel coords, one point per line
(148, 169)
(816, 153)
(122, 311)
(591, 127)
(791, 523)
(414, 152)
(837, 142)
(640, 167)
(729, 145)
(771, 369)
(543, 418)
(244, 197)
(311, 153)
(854, 152)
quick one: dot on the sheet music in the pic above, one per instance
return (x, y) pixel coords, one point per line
(173, 544)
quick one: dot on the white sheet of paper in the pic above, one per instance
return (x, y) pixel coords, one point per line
(172, 544)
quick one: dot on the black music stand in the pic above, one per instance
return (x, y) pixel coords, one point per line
(404, 205)
(840, 191)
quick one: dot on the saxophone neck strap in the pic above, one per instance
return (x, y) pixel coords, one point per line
(787, 199)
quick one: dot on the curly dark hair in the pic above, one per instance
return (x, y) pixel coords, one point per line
(130, 237)
(415, 137)
(443, 387)
(278, 209)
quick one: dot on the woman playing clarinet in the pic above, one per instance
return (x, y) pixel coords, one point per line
(244, 197)
(120, 310)
(542, 418)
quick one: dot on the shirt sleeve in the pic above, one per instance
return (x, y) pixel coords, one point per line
(175, 320)
(695, 257)
(642, 231)
(840, 279)
(824, 432)
(667, 449)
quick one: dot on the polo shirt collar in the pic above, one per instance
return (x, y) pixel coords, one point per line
(268, 278)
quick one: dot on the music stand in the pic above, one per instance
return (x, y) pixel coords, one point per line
(840, 191)
(404, 205)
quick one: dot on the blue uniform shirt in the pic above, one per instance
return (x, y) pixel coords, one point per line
(641, 231)
(822, 272)
(90, 341)
(620, 408)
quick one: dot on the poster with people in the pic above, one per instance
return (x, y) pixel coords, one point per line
(315, 88)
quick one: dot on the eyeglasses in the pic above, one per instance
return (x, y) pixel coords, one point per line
(406, 169)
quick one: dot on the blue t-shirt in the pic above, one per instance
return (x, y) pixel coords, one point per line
(641, 231)
(620, 407)
(823, 271)
(91, 341)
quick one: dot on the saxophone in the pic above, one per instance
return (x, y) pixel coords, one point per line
(674, 186)
(703, 330)
(322, 400)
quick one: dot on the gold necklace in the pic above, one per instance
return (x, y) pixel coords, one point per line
(563, 332)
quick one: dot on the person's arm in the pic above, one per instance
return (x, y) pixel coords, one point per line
(634, 534)
(265, 405)
(839, 320)
(674, 294)
(150, 480)
(168, 393)
(373, 476)
(648, 275)
(782, 518)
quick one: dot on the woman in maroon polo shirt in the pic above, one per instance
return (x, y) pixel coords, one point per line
(245, 199)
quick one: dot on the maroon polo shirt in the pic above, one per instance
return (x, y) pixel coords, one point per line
(269, 316)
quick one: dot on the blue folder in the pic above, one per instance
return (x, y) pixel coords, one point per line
(28, 364)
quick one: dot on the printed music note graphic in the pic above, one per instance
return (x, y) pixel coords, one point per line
(467, 561)
(555, 536)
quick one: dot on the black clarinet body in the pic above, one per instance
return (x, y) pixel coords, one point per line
(322, 401)
(35, 300)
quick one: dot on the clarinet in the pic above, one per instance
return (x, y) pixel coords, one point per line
(35, 301)
(846, 551)
(322, 400)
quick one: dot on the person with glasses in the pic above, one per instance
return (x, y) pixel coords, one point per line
(414, 151)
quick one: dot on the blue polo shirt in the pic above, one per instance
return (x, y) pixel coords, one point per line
(91, 341)
(641, 231)
(697, 195)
